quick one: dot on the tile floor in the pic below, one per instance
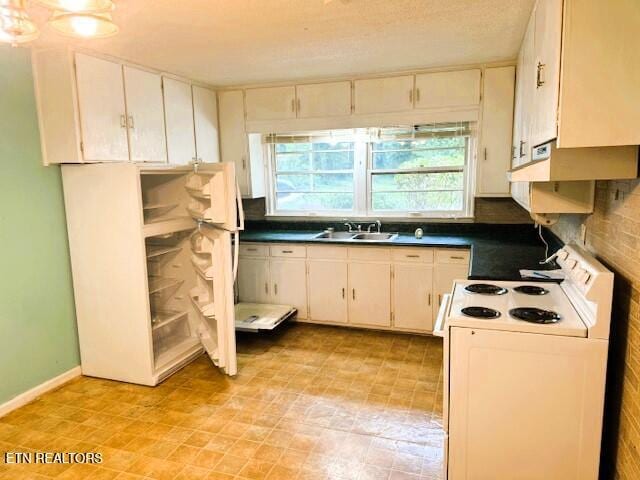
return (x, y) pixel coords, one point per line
(309, 402)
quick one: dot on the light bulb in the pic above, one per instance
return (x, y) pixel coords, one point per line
(84, 25)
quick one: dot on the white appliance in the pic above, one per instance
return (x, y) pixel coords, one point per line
(524, 374)
(153, 266)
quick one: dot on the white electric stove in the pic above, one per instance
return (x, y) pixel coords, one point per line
(524, 374)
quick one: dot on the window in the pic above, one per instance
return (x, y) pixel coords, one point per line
(393, 172)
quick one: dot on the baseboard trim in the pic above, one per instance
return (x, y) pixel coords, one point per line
(30, 395)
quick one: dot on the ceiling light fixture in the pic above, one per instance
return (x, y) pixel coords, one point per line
(84, 25)
(77, 18)
(15, 25)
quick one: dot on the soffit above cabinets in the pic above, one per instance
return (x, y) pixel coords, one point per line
(259, 41)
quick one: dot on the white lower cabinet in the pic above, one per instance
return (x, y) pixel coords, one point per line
(253, 280)
(288, 283)
(413, 297)
(387, 288)
(370, 294)
(327, 286)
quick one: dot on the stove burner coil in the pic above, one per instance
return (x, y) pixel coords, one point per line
(485, 289)
(480, 312)
(535, 315)
(531, 290)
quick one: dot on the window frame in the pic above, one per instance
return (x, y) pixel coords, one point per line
(362, 188)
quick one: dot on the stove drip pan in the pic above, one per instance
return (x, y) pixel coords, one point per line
(480, 312)
(485, 289)
(535, 315)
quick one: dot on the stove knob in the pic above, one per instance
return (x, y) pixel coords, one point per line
(563, 254)
(586, 276)
(571, 264)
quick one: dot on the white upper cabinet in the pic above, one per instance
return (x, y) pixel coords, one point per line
(448, 89)
(383, 95)
(205, 115)
(274, 103)
(145, 116)
(102, 108)
(324, 100)
(178, 108)
(494, 154)
(547, 43)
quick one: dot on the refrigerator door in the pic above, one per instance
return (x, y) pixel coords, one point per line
(214, 196)
(212, 297)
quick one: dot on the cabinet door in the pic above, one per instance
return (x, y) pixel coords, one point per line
(145, 111)
(370, 294)
(497, 128)
(205, 116)
(178, 109)
(547, 42)
(233, 137)
(383, 95)
(276, 103)
(324, 100)
(528, 91)
(102, 109)
(328, 291)
(445, 275)
(412, 296)
(289, 284)
(448, 89)
(253, 280)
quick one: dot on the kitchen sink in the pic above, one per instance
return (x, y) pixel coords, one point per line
(335, 235)
(382, 236)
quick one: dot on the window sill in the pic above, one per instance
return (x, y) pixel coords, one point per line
(355, 218)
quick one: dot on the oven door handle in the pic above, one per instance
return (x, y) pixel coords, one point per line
(438, 328)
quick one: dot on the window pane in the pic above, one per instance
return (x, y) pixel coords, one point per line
(293, 183)
(417, 181)
(333, 182)
(440, 142)
(314, 201)
(407, 159)
(293, 162)
(418, 201)
(292, 147)
(333, 146)
(333, 160)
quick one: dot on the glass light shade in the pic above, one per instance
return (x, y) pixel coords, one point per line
(84, 25)
(15, 25)
(79, 6)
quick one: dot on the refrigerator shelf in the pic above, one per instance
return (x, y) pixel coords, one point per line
(169, 355)
(162, 318)
(160, 284)
(155, 251)
(202, 302)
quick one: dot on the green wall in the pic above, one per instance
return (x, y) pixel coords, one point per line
(38, 338)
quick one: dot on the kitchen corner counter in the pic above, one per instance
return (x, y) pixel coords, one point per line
(498, 252)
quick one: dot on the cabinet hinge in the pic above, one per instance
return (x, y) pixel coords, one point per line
(393, 318)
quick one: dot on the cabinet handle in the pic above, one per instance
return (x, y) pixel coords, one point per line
(353, 293)
(298, 105)
(244, 163)
(287, 251)
(266, 288)
(485, 154)
(343, 292)
(411, 96)
(131, 122)
(275, 288)
(454, 257)
(252, 249)
(413, 256)
(439, 299)
(539, 75)
(123, 121)
(429, 299)
(522, 144)
(418, 95)
(293, 105)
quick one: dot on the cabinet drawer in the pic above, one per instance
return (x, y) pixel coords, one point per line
(452, 256)
(254, 250)
(293, 251)
(419, 255)
(327, 253)
(371, 254)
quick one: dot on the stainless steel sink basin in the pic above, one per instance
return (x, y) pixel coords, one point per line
(383, 236)
(335, 235)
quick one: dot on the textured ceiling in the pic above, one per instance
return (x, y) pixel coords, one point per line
(224, 42)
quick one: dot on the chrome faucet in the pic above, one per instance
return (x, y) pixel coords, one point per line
(352, 226)
(377, 224)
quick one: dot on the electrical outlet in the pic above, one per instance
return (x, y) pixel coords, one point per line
(583, 233)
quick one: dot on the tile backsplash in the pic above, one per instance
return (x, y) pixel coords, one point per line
(613, 235)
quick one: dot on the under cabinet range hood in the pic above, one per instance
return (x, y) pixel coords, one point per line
(552, 164)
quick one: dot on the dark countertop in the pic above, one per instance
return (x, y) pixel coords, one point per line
(498, 252)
